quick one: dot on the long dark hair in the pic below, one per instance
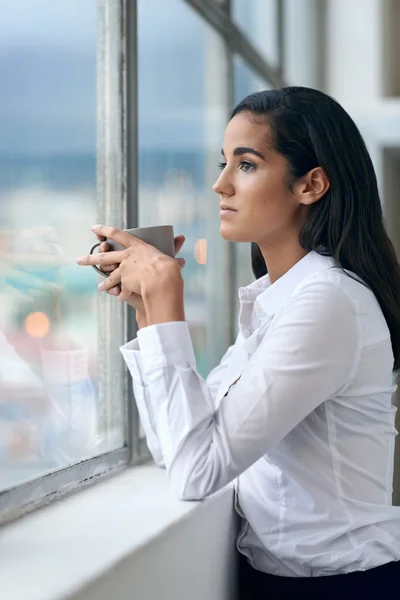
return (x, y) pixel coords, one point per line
(311, 129)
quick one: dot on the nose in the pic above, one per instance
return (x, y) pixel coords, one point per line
(223, 186)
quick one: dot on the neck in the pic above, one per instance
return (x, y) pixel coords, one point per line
(281, 258)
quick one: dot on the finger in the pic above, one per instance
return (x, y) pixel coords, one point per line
(124, 295)
(119, 236)
(104, 247)
(114, 291)
(110, 268)
(101, 238)
(179, 241)
(112, 280)
(102, 258)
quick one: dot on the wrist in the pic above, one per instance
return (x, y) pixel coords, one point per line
(167, 280)
(163, 298)
(141, 319)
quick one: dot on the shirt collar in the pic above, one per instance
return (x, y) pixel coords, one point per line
(268, 297)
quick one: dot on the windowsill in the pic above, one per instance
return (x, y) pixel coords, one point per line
(66, 547)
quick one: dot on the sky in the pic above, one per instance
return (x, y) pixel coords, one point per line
(48, 62)
(47, 22)
(48, 76)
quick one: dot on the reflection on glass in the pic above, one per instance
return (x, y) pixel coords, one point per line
(181, 124)
(200, 251)
(258, 19)
(48, 322)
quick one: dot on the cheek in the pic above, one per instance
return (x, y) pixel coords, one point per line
(271, 209)
(263, 186)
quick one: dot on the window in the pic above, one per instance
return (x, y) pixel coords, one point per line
(245, 80)
(56, 409)
(183, 110)
(258, 19)
(111, 111)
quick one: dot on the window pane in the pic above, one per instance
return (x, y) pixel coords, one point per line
(245, 80)
(49, 369)
(258, 19)
(182, 115)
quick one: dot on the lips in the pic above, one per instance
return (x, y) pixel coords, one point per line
(227, 212)
(225, 207)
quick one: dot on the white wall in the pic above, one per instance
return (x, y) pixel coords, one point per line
(302, 57)
(353, 69)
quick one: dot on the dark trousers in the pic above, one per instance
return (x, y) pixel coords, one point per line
(255, 585)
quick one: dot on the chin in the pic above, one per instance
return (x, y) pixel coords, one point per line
(233, 234)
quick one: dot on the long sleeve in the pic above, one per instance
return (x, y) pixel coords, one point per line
(132, 356)
(308, 355)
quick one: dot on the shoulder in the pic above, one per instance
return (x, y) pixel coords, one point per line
(328, 302)
(342, 297)
(331, 289)
(317, 325)
(337, 286)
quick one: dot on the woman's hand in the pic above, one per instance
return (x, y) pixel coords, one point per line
(139, 270)
(134, 300)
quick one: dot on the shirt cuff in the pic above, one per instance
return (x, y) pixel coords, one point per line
(133, 359)
(165, 345)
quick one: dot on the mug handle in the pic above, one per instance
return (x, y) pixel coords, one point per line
(95, 267)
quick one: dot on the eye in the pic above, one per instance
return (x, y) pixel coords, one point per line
(246, 166)
(222, 165)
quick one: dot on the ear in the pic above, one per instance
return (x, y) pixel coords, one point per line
(312, 187)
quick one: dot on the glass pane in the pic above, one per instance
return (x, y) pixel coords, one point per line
(245, 80)
(48, 305)
(258, 19)
(182, 115)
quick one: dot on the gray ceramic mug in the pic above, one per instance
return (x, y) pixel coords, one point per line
(159, 236)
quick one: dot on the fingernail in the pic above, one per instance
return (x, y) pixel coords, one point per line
(100, 286)
(80, 260)
(94, 227)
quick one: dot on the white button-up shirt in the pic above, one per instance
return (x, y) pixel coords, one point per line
(299, 414)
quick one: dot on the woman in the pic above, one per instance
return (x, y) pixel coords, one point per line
(299, 412)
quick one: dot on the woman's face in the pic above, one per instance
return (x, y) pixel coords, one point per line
(257, 204)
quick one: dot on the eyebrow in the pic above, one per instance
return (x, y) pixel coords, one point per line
(244, 150)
